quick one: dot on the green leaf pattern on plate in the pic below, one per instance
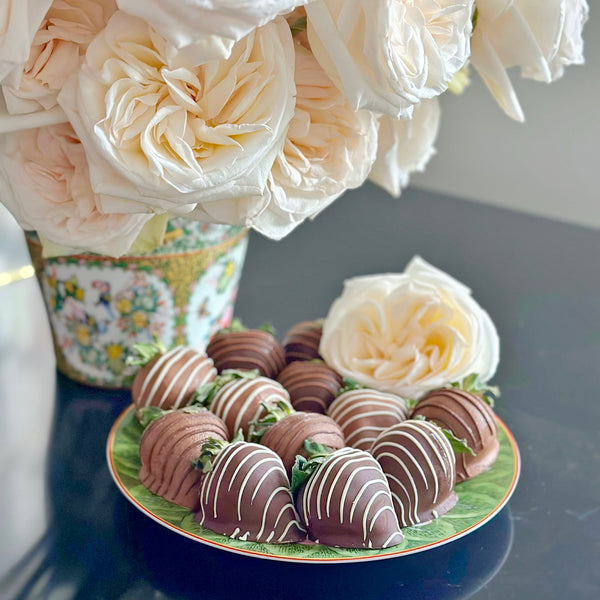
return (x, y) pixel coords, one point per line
(479, 499)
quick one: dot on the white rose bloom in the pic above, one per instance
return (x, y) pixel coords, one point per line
(180, 135)
(62, 38)
(409, 333)
(46, 186)
(386, 55)
(329, 148)
(539, 36)
(202, 30)
(405, 146)
(19, 20)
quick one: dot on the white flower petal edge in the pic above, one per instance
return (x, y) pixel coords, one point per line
(539, 36)
(204, 30)
(46, 187)
(405, 146)
(407, 333)
(180, 135)
(386, 55)
(19, 20)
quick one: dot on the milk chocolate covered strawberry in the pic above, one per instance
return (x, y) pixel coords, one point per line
(168, 447)
(246, 495)
(343, 499)
(169, 378)
(364, 413)
(469, 418)
(301, 342)
(312, 385)
(246, 349)
(284, 431)
(419, 464)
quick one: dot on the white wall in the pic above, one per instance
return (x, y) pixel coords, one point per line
(549, 165)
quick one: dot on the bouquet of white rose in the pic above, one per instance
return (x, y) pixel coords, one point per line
(256, 113)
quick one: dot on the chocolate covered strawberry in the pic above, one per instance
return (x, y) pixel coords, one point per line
(284, 431)
(364, 413)
(168, 447)
(312, 385)
(469, 418)
(343, 499)
(246, 495)
(239, 397)
(419, 463)
(301, 342)
(244, 349)
(169, 378)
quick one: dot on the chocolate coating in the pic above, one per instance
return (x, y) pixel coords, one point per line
(239, 401)
(346, 502)
(302, 341)
(286, 437)
(247, 496)
(469, 418)
(420, 467)
(312, 386)
(170, 379)
(364, 414)
(247, 350)
(167, 448)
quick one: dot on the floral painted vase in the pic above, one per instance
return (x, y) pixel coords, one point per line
(99, 307)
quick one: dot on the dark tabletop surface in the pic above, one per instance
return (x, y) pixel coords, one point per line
(66, 532)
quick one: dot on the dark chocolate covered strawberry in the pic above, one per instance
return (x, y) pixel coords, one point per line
(284, 431)
(246, 349)
(343, 499)
(301, 342)
(364, 413)
(419, 463)
(246, 495)
(168, 378)
(469, 418)
(312, 385)
(168, 447)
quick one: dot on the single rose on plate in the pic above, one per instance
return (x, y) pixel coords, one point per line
(405, 146)
(407, 333)
(539, 36)
(203, 30)
(329, 148)
(166, 136)
(386, 55)
(46, 186)
(58, 45)
(19, 20)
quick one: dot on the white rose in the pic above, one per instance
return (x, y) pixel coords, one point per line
(19, 20)
(405, 146)
(408, 333)
(62, 38)
(180, 135)
(46, 187)
(329, 148)
(386, 55)
(202, 30)
(539, 36)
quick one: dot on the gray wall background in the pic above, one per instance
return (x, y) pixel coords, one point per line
(549, 165)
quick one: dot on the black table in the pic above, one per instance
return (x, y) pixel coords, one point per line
(66, 531)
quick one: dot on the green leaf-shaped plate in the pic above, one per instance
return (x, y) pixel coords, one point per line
(479, 499)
